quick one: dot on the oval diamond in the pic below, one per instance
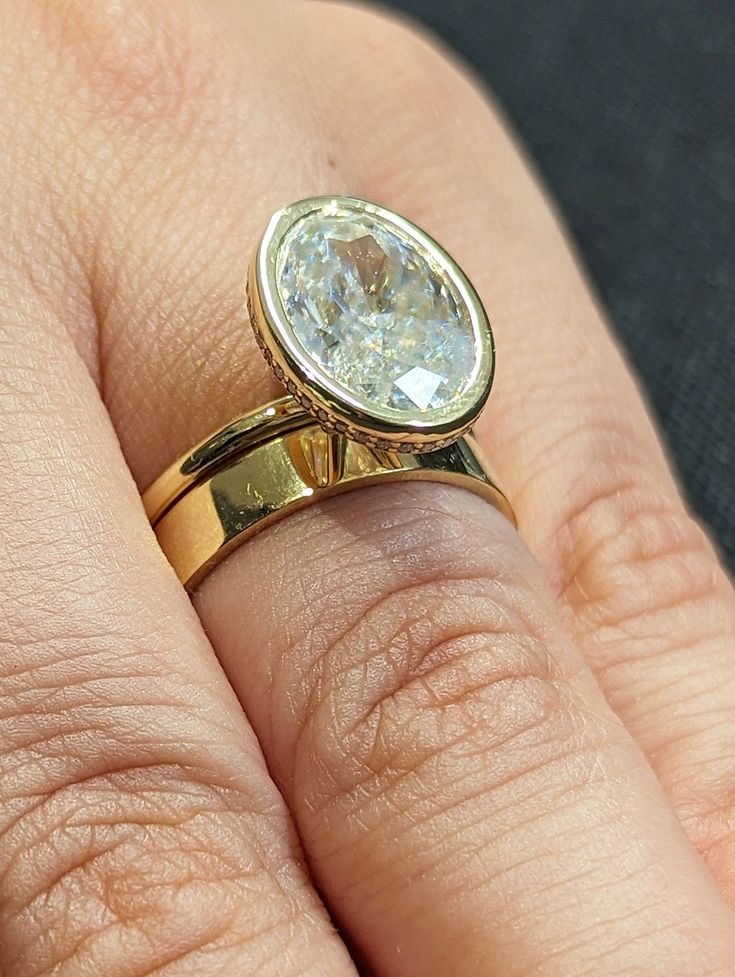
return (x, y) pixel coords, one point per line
(375, 314)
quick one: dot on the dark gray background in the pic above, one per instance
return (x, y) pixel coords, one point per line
(628, 107)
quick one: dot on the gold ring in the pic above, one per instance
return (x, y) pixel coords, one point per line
(388, 357)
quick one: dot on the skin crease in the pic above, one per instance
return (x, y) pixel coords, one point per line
(486, 755)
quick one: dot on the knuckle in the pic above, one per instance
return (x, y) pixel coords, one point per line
(127, 819)
(120, 858)
(83, 704)
(445, 659)
(137, 61)
(634, 554)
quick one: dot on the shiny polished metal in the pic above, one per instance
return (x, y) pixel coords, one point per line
(273, 462)
(387, 354)
(370, 324)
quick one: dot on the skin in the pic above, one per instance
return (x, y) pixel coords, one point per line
(474, 751)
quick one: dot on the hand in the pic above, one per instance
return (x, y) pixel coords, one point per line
(487, 753)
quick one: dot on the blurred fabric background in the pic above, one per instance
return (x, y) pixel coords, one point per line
(628, 107)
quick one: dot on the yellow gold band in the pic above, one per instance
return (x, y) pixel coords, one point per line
(272, 462)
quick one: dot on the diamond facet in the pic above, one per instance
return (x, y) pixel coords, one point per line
(374, 312)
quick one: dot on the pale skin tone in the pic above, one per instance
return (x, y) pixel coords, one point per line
(477, 752)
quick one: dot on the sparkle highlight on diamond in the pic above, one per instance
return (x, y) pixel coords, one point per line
(371, 310)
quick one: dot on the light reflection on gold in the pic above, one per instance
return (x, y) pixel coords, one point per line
(219, 495)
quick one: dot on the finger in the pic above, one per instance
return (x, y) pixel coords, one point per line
(573, 446)
(139, 829)
(567, 433)
(467, 801)
(640, 586)
(434, 729)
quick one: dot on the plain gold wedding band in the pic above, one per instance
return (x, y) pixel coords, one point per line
(388, 356)
(272, 462)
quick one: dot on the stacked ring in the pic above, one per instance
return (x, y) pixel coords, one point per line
(387, 354)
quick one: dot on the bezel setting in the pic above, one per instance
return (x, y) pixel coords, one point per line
(334, 406)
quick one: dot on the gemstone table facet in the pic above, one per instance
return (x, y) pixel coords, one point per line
(368, 307)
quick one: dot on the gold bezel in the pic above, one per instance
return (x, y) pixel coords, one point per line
(332, 405)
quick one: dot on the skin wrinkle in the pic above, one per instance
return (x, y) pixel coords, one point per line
(377, 608)
(320, 685)
(625, 528)
(509, 606)
(417, 677)
(445, 811)
(154, 895)
(409, 556)
(154, 776)
(161, 228)
(86, 865)
(90, 746)
(412, 667)
(360, 818)
(48, 884)
(158, 967)
(701, 689)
